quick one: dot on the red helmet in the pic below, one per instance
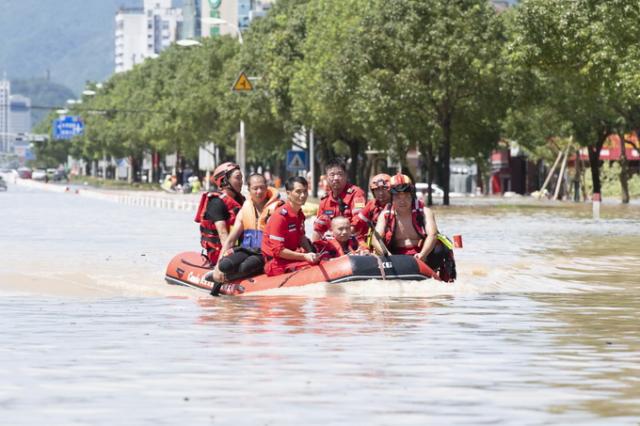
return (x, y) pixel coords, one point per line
(222, 172)
(400, 183)
(380, 181)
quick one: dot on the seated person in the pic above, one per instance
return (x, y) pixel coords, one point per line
(341, 242)
(284, 244)
(244, 260)
(408, 227)
(367, 218)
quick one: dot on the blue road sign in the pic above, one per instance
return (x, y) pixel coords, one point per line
(296, 160)
(67, 127)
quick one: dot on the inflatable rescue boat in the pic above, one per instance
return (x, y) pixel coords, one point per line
(190, 268)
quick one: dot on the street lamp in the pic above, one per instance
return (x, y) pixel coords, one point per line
(241, 156)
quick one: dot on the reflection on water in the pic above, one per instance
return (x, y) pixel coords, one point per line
(540, 329)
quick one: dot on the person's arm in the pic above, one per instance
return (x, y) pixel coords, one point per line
(236, 230)
(380, 227)
(432, 234)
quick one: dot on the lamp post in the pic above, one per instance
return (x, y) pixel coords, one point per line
(241, 157)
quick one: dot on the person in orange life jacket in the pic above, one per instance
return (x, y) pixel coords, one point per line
(284, 237)
(343, 198)
(341, 241)
(409, 228)
(368, 216)
(241, 261)
(218, 209)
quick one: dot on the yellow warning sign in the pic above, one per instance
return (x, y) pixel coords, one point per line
(242, 84)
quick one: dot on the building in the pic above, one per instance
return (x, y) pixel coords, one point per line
(5, 95)
(144, 33)
(19, 114)
(191, 19)
(236, 13)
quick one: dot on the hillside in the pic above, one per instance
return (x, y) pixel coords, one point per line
(73, 40)
(43, 93)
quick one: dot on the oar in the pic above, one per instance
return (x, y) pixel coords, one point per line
(377, 236)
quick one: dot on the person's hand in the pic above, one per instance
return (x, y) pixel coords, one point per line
(311, 257)
(363, 252)
(225, 253)
(418, 256)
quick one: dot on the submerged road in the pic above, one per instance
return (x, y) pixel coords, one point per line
(541, 327)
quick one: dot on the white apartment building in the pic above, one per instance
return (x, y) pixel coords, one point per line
(237, 13)
(5, 95)
(144, 33)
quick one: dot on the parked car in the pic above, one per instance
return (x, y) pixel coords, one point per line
(423, 188)
(59, 175)
(39, 174)
(24, 173)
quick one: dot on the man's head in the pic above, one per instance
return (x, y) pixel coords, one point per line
(380, 185)
(297, 189)
(402, 191)
(228, 175)
(336, 171)
(257, 188)
(341, 229)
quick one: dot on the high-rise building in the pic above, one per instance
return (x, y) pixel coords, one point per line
(5, 95)
(237, 13)
(191, 19)
(144, 33)
(19, 114)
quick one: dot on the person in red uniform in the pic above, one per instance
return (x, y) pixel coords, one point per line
(341, 241)
(368, 216)
(284, 244)
(408, 227)
(343, 199)
(218, 209)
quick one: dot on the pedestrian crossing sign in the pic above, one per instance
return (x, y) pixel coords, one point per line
(242, 84)
(296, 160)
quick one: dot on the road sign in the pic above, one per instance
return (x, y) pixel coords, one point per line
(296, 160)
(67, 127)
(242, 84)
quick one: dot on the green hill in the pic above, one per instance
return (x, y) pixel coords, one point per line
(43, 94)
(72, 40)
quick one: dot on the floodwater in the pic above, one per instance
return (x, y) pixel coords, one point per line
(542, 327)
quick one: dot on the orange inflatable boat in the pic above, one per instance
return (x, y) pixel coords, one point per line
(189, 268)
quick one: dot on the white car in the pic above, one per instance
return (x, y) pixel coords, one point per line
(436, 191)
(38, 174)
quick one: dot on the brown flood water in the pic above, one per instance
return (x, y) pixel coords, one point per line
(542, 326)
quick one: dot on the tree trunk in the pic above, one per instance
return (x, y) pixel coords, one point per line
(432, 167)
(446, 158)
(354, 150)
(624, 171)
(594, 161)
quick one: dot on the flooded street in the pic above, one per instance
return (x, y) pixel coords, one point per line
(542, 326)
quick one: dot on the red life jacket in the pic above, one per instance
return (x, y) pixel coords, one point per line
(209, 237)
(334, 249)
(353, 200)
(417, 218)
(283, 230)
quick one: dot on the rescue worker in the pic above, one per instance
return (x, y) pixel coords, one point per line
(244, 260)
(218, 209)
(284, 244)
(342, 198)
(341, 241)
(408, 227)
(368, 216)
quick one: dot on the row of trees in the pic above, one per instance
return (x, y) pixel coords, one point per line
(445, 77)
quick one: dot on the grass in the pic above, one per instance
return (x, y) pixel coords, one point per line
(114, 184)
